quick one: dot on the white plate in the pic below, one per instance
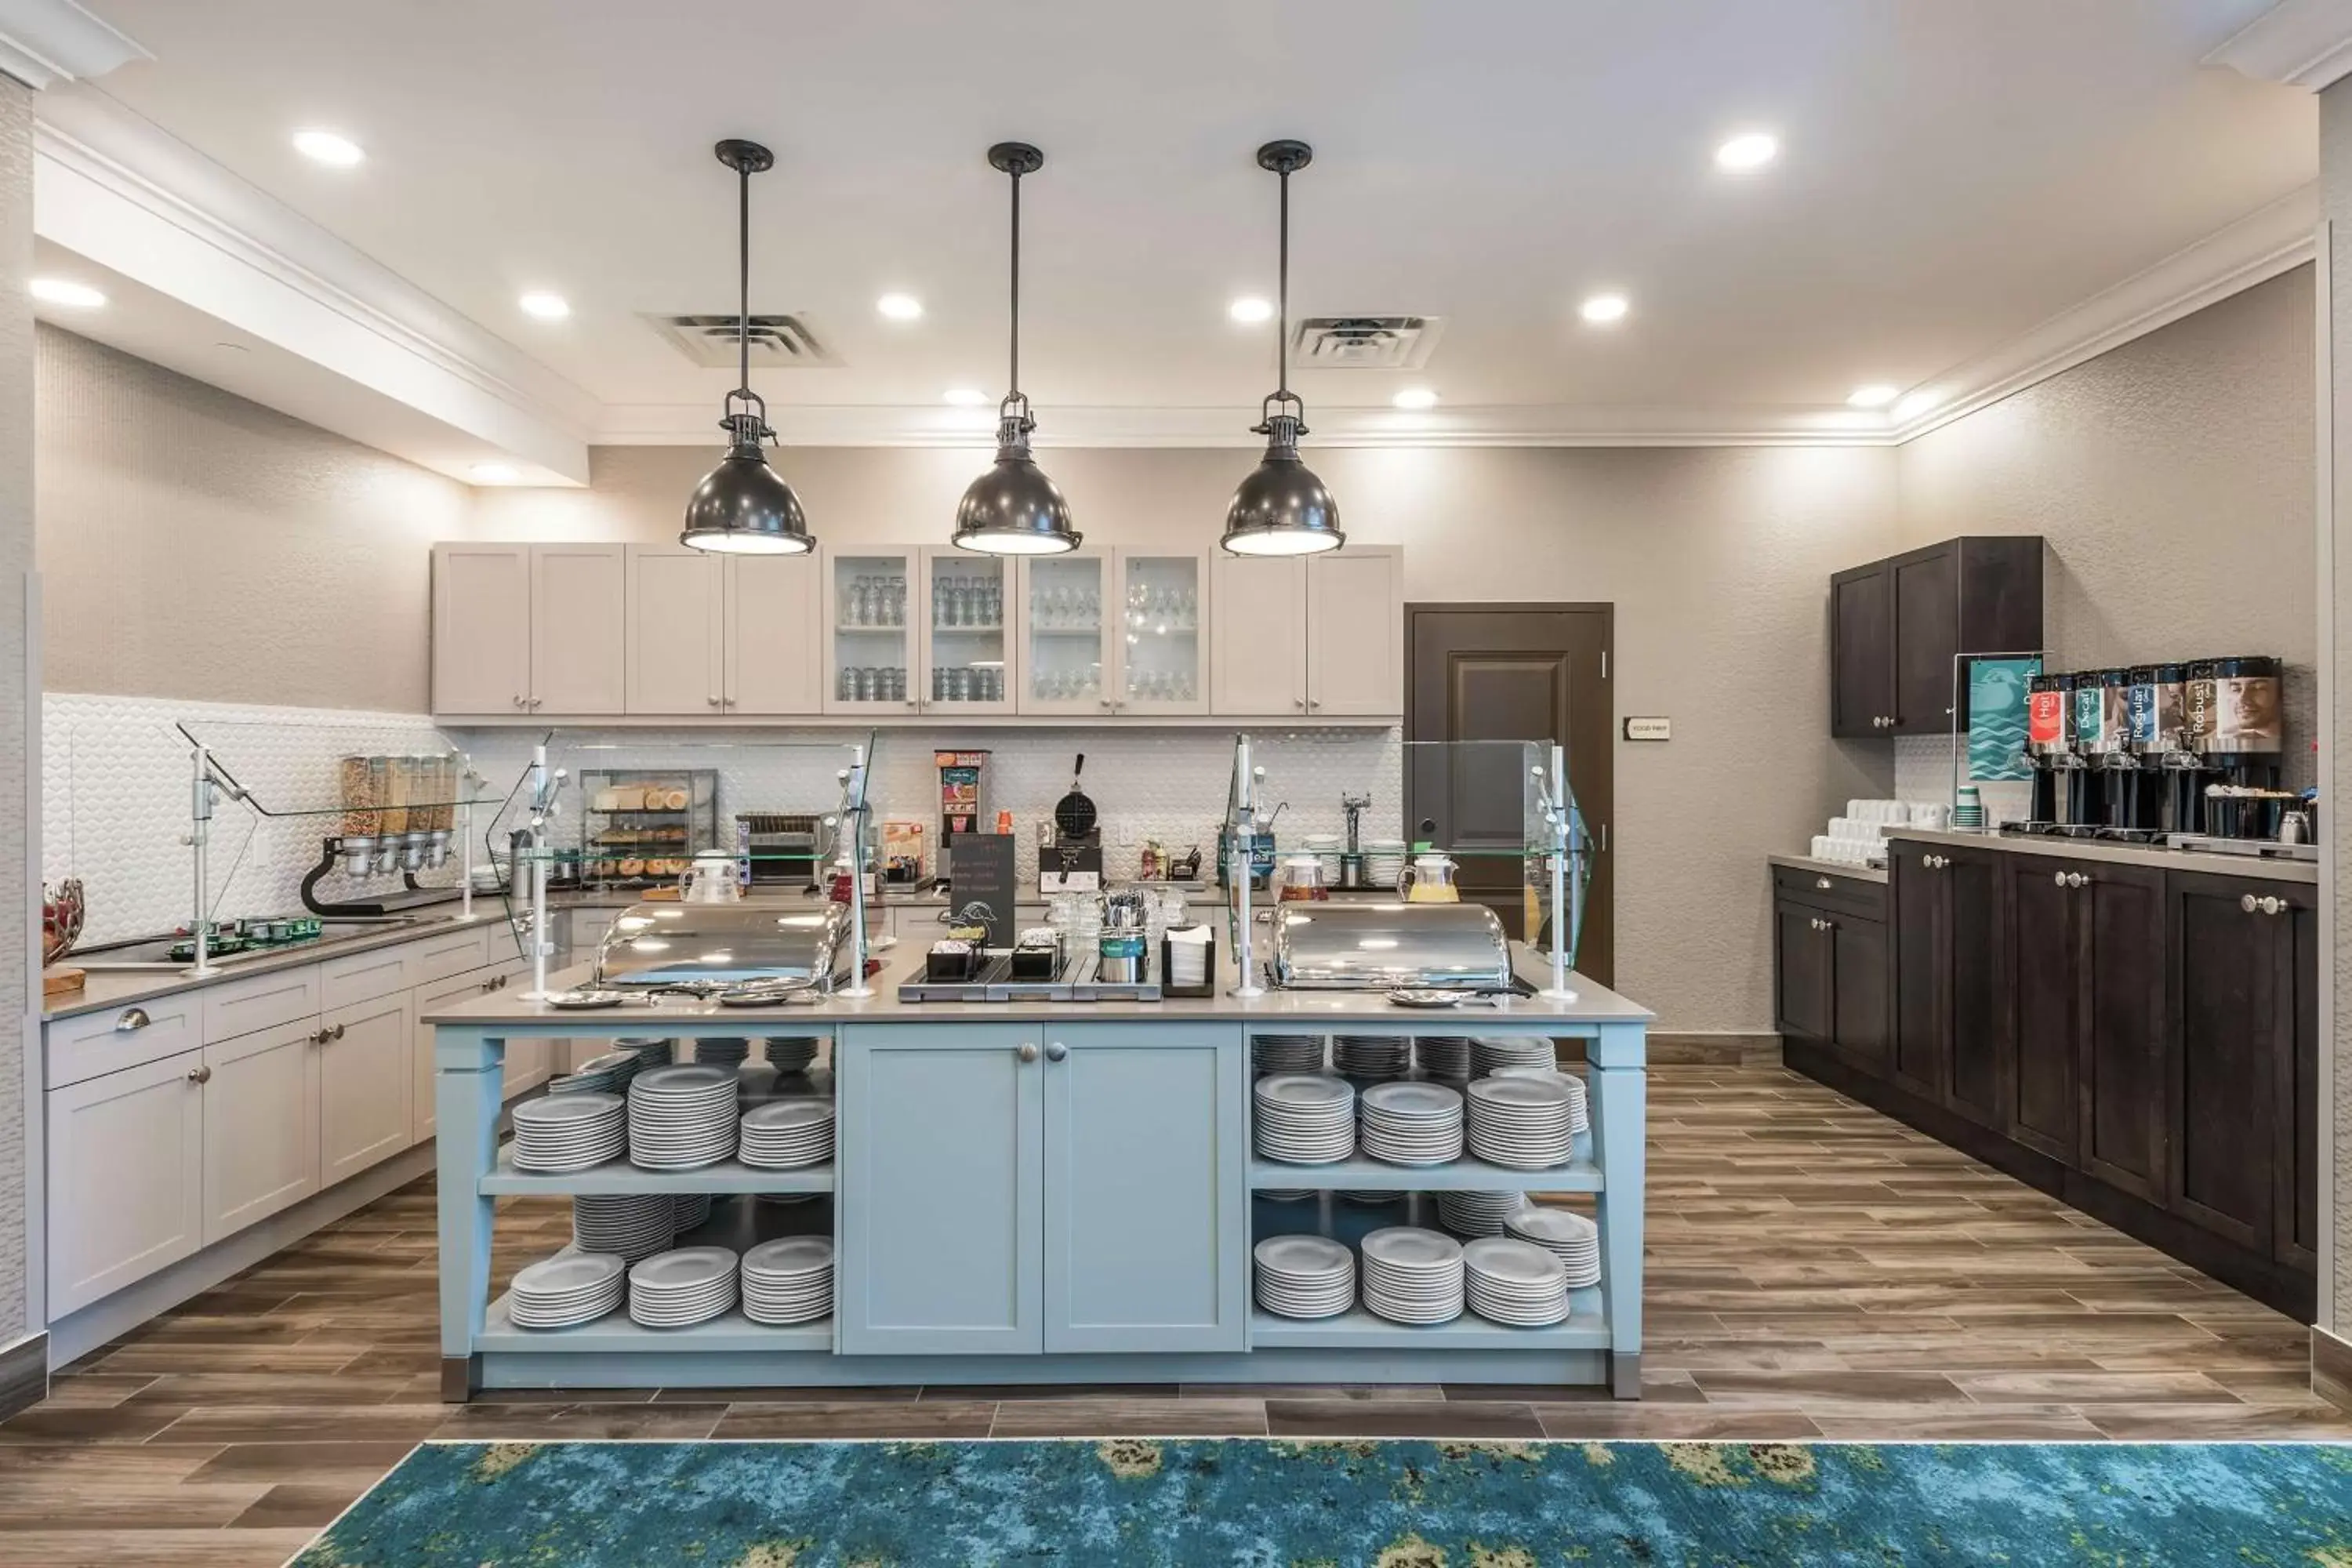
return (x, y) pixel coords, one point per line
(1413, 1102)
(1308, 1257)
(682, 1080)
(1411, 1249)
(571, 1111)
(789, 1256)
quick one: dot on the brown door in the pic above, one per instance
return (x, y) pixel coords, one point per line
(1509, 672)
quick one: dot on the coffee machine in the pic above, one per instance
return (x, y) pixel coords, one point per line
(2171, 773)
(2061, 780)
(2236, 727)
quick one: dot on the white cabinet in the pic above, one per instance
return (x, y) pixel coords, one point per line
(774, 657)
(261, 1126)
(968, 664)
(1161, 633)
(675, 636)
(481, 628)
(1068, 663)
(1257, 652)
(125, 1178)
(874, 605)
(364, 1083)
(578, 605)
(1103, 632)
(1355, 633)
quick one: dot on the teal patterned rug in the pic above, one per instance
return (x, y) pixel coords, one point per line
(1255, 1504)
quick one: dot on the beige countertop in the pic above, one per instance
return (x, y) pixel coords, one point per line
(1845, 868)
(2254, 865)
(1310, 1010)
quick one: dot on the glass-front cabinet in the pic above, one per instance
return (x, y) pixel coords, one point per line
(1162, 625)
(1067, 662)
(874, 655)
(968, 619)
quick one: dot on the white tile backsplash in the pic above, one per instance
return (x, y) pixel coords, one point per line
(1923, 770)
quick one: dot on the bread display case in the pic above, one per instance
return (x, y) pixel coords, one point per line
(640, 828)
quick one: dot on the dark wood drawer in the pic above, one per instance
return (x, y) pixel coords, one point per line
(1828, 891)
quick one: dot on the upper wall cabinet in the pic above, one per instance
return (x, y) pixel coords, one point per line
(1106, 632)
(1315, 636)
(731, 635)
(528, 630)
(1896, 626)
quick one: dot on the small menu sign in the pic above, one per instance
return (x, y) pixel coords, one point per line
(980, 887)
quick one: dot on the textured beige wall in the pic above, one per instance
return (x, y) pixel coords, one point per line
(194, 544)
(1716, 560)
(2172, 478)
(16, 561)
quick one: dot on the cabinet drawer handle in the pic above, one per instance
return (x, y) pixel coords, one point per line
(1028, 1050)
(1055, 1051)
(200, 1075)
(135, 1019)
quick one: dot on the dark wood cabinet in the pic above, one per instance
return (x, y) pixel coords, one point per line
(1896, 627)
(2119, 965)
(2044, 1009)
(1951, 1042)
(1802, 957)
(1915, 914)
(2296, 1228)
(1830, 961)
(1858, 982)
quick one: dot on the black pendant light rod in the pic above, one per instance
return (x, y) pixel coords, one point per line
(1285, 158)
(747, 159)
(1016, 159)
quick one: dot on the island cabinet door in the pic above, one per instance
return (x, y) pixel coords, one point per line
(943, 1174)
(1147, 1214)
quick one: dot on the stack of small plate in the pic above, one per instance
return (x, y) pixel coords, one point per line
(789, 1280)
(1412, 1123)
(650, 1051)
(564, 1291)
(607, 1074)
(1377, 1057)
(571, 1132)
(721, 1052)
(1413, 1276)
(1478, 1213)
(1489, 1052)
(1304, 1276)
(1370, 1197)
(792, 1053)
(1383, 861)
(1567, 1235)
(1442, 1056)
(1305, 1119)
(1521, 1122)
(1578, 1118)
(1286, 1052)
(1514, 1283)
(689, 1211)
(786, 1134)
(682, 1118)
(674, 1290)
(629, 1225)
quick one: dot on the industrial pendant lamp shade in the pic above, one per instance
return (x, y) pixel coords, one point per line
(743, 506)
(1282, 508)
(1013, 509)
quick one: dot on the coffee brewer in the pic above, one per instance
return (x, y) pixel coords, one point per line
(2061, 784)
(2115, 799)
(2171, 773)
(2236, 728)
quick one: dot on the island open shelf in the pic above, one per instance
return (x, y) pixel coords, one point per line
(731, 1331)
(617, 1177)
(1466, 1174)
(1585, 1328)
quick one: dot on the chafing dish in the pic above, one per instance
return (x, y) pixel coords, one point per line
(766, 944)
(1378, 947)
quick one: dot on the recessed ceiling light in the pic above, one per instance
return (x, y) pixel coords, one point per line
(1604, 308)
(495, 473)
(326, 147)
(966, 396)
(1876, 394)
(1416, 397)
(900, 307)
(1251, 309)
(1749, 150)
(1919, 403)
(65, 291)
(545, 306)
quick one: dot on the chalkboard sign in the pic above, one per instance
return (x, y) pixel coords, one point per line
(980, 892)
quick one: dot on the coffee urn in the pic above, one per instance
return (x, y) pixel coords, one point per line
(2103, 740)
(2171, 773)
(2059, 776)
(2236, 726)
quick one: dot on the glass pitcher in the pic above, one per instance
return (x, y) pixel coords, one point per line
(1302, 879)
(1429, 881)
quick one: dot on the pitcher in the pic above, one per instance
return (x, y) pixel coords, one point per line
(1429, 881)
(714, 877)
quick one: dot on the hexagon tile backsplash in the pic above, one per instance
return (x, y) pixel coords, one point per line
(116, 774)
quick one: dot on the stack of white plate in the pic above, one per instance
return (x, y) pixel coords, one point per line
(1516, 1283)
(1374, 1197)
(1412, 1123)
(630, 1226)
(1579, 1116)
(688, 1211)
(1442, 1056)
(570, 1132)
(1325, 847)
(721, 1052)
(1305, 1119)
(792, 1053)
(650, 1051)
(1286, 1052)
(1522, 1122)
(674, 1290)
(573, 1083)
(1489, 1052)
(1478, 1213)
(785, 1134)
(1413, 1276)
(1372, 1055)
(561, 1292)
(682, 1118)
(1304, 1276)
(789, 1280)
(1383, 861)
(1567, 1235)
(607, 1074)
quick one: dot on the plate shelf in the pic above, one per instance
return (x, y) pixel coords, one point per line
(1361, 1174)
(618, 1176)
(731, 1332)
(1586, 1327)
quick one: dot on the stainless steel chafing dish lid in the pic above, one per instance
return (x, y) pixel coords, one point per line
(718, 944)
(1331, 946)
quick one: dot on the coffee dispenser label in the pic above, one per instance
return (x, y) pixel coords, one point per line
(2045, 718)
(2142, 715)
(2088, 714)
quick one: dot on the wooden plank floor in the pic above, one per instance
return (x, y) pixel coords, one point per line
(1815, 1270)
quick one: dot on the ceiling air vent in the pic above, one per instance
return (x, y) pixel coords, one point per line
(1365, 342)
(778, 343)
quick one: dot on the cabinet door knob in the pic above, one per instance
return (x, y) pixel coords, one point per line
(2273, 906)
(2059, 878)
(1298, 702)
(521, 702)
(1028, 1050)
(135, 1019)
(1822, 883)
(200, 1075)
(2247, 903)
(712, 701)
(1055, 1051)
(2076, 880)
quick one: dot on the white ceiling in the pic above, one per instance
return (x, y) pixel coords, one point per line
(1953, 175)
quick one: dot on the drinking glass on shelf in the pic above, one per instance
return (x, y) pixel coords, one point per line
(994, 603)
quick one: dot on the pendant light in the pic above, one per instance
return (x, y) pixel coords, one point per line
(1282, 508)
(1013, 509)
(743, 506)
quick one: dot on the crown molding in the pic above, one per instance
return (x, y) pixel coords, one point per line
(2255, 250)
(43, 42)
(2300, 43)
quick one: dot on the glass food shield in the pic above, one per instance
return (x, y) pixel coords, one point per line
(1502, 812)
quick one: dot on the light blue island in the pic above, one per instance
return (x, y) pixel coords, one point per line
(1044, 1194)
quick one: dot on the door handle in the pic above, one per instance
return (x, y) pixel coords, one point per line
(1028, 1050)
(2264, 906)
(1055, 1051)
(135, 1019)
(200, 1075)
